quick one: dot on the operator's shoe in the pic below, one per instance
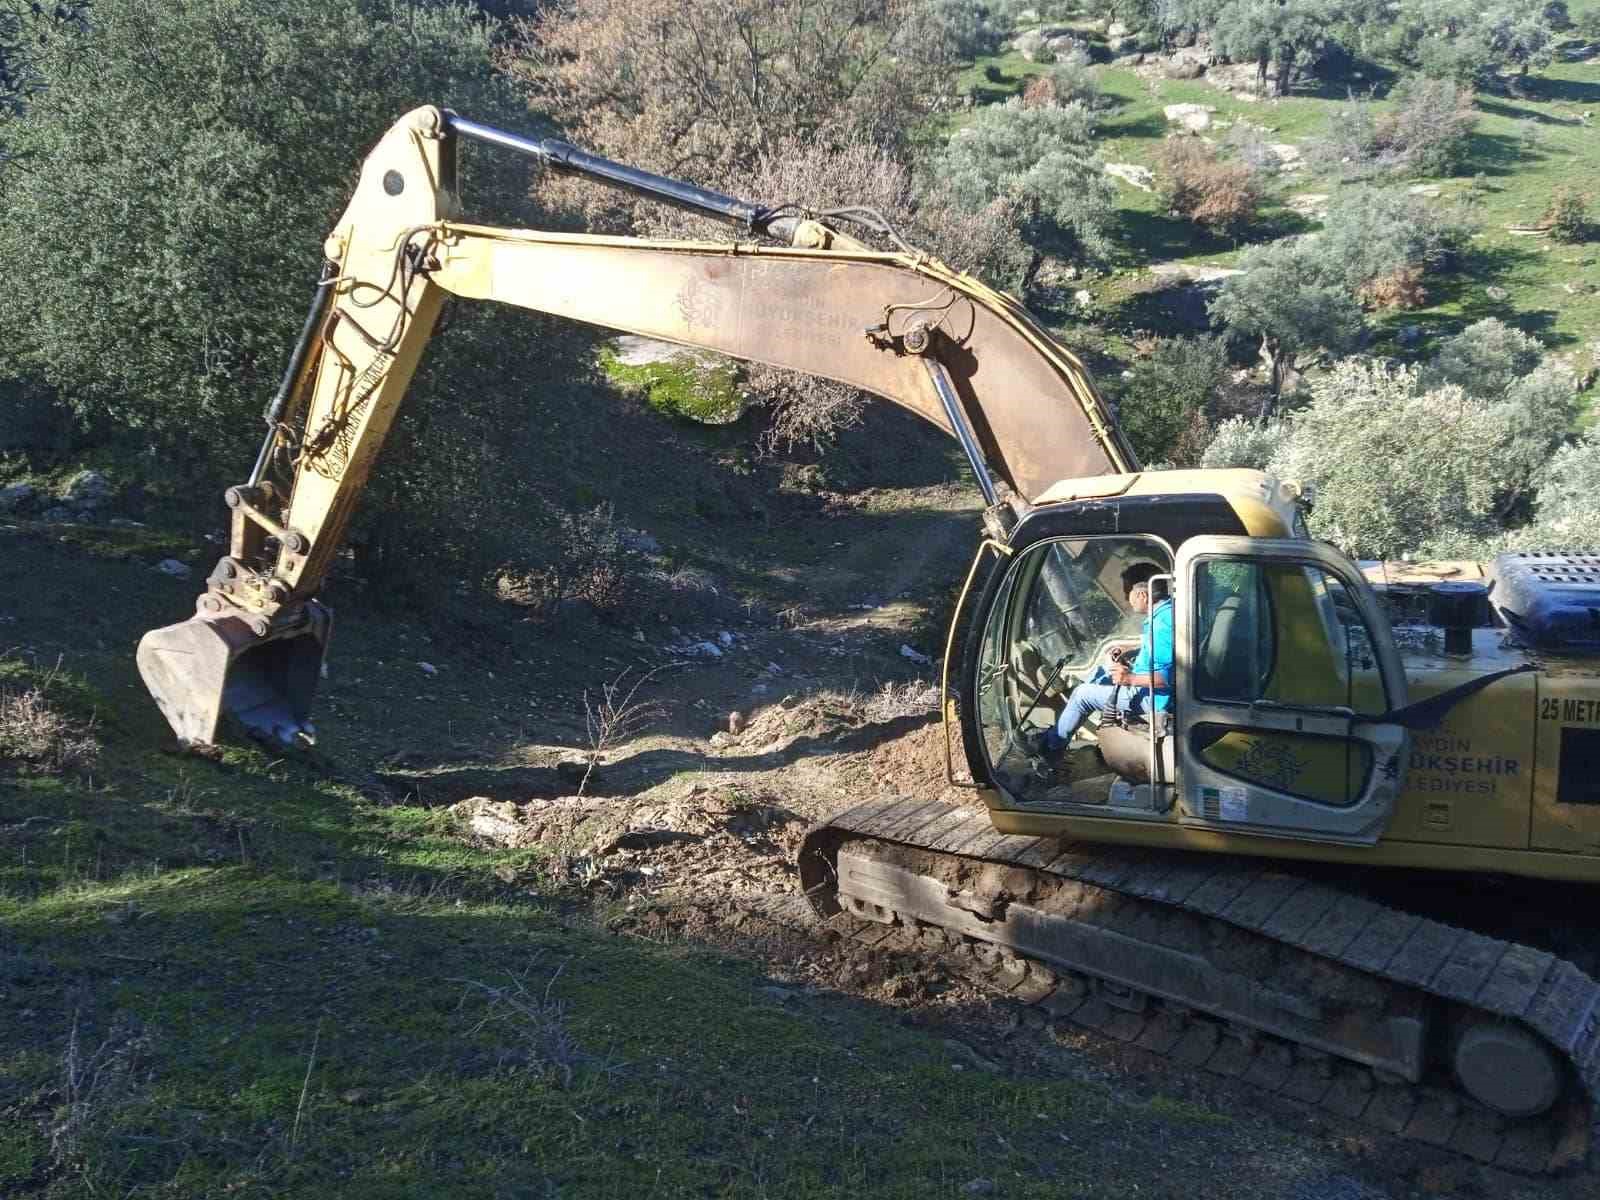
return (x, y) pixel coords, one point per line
(1041, 743)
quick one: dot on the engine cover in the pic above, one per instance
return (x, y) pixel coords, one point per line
(1550, 601)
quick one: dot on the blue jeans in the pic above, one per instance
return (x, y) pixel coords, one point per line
(1088, 698)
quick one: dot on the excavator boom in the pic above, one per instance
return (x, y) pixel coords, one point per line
(898, 324)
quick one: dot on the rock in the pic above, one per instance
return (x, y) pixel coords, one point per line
(499, 822)
(1118, 45)
(1193, 117)
(725, 639)
(979, 1187)
(1192, 272)
(1496, 293)
(700, 650)
(1065, 46)
(427, 668)
(88, 489)
(1431, 190)
(1083, 298)
(915, 655)
(736, 723)
(1233, 77)
(1117, 29)
(1133, 174)
(56, 515)
(14, 495)
(1183, 68)
(171, 566)
(646, 839)
(721, 740)
(1287, 154)
(1031, 46)
(1410, 335)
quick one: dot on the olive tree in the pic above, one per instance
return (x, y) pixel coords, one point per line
(178, 172)
(1486, 358)
(1566, 515)
(1289, 299)
(1040, 159)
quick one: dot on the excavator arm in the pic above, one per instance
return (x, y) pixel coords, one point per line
(898, 324)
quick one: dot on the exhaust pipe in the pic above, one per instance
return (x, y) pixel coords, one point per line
(210, 666)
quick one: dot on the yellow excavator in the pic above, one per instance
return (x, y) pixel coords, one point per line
(1175, 878)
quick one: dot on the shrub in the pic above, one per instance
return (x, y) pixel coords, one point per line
(1170, 385)
(38, 737)
(1195, 183)
(1064, 83)
(1567, 218)
(1241, 442)
(1485, 358)
(1425, 132)
(587, 559)
(1398, 289)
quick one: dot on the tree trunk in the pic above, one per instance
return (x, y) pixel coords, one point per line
(1277, 367)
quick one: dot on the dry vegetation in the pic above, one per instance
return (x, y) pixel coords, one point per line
(36, 736)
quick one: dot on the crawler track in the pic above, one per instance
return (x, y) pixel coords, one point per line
(1226, 963)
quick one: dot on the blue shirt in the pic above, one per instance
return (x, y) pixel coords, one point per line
(1155, 650)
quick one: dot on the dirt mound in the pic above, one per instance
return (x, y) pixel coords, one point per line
(716, 841)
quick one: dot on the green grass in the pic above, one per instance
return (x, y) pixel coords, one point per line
(285, 982)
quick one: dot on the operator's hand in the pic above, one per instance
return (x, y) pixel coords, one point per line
(1120, 675)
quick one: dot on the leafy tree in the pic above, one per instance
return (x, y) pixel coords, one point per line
(1288, 298)
(1170, 386)
(1370, 444)
(1041, 160)
(1064, 83)
(1371, 235)
(1485, 358)
(1566, 515)
(179, 170)
(943, 33)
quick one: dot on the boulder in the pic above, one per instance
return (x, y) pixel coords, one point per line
(1132, 174)
(88, 489)
(178, 570)
(1288, 155)
(1193, 117)
(14, 495)
(1031, 46)
(1430, 190)
(1117, 29)
(1183, 68)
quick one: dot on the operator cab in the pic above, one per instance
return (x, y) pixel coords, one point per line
(1061, 616)
(1283, 668)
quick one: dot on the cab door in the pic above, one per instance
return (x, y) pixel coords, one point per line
(1281, 646)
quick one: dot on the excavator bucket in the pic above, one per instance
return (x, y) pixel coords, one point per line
(205, 667)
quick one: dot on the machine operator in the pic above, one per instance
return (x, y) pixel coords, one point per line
(1148, 679)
